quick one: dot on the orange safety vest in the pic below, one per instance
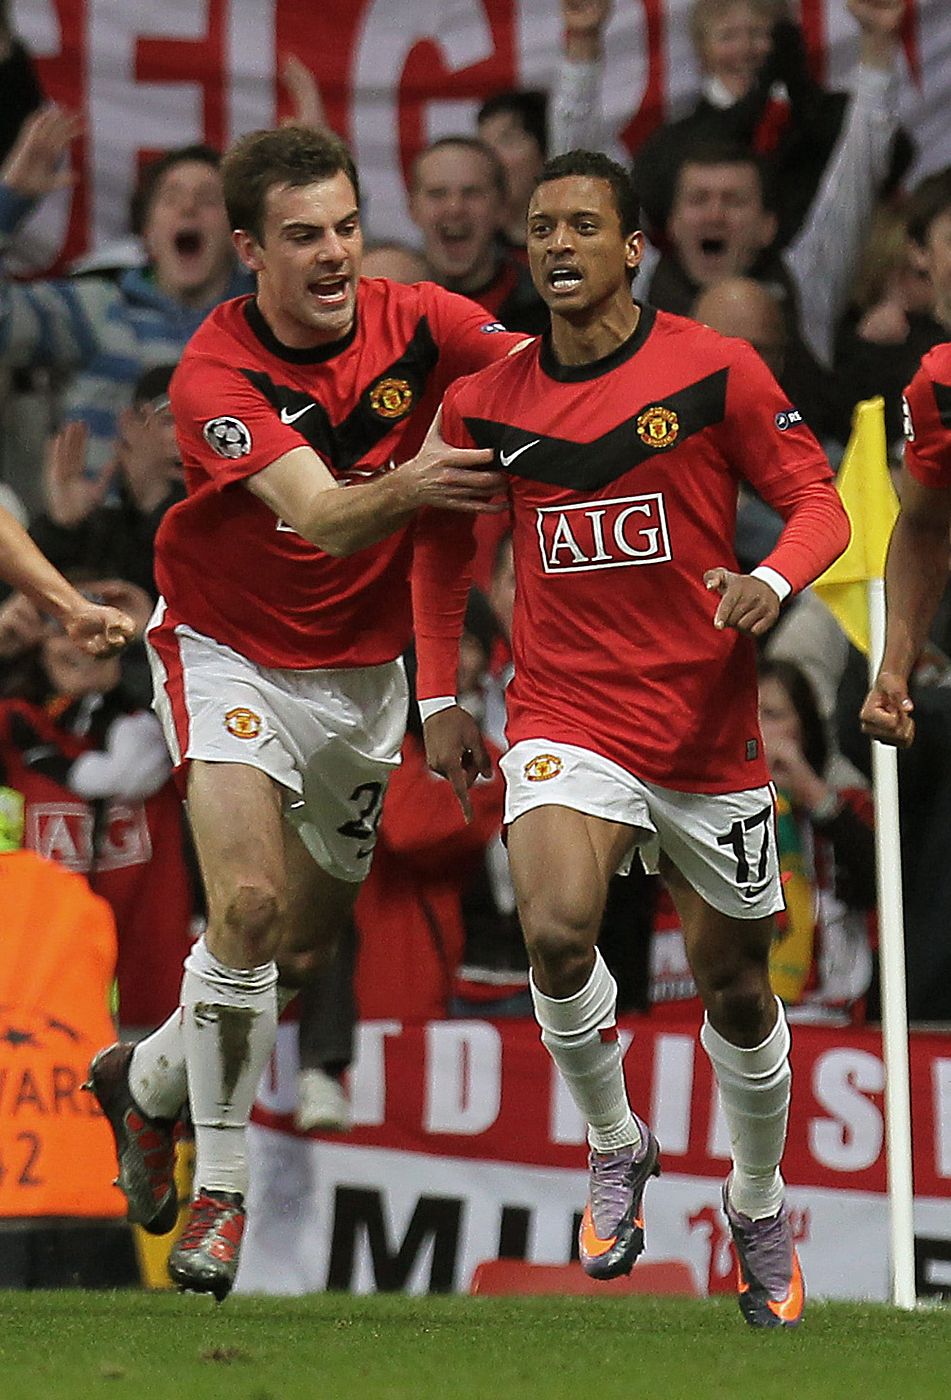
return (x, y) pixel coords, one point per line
(57, 962)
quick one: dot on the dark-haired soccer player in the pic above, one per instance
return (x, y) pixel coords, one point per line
(632, 715)
(285, 608)
(916, 571)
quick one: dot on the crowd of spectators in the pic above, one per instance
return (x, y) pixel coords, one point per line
(778, 211)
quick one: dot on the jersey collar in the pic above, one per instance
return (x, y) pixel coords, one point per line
(574, 374)
(312, 355)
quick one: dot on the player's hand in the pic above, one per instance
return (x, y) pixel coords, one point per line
(36, 165)
(450, 477)
(70, 495)
(886, 714)
(746, 603)
(456, 750)
(882, 17)
(98, 628)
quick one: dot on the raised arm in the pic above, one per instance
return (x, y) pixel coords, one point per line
(823, 256)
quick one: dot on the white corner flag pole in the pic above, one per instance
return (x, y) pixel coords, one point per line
(891, 944)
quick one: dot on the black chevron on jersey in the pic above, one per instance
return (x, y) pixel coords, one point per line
(344, 444)
(942, 397)
(585, 466)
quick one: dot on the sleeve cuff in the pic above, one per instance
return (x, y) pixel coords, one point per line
(428, 708)
(780, 586)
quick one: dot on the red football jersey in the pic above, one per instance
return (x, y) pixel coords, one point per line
(225, 564)
(928, 419)
(624, 477)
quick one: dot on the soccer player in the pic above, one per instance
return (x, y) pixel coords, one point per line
(632, 713)
(916, 571)
(96, 627)
(285, 608)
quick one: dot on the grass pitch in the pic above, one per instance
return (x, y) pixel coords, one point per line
(140, 1346)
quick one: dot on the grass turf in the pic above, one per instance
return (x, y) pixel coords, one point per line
(74, 1345)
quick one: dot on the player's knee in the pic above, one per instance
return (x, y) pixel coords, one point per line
(253, 917)
(559, 944)
(741, 1008)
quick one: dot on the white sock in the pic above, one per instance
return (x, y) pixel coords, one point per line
(157, 1075)
(230, 1024)
(754, 1091)
(590, 1063)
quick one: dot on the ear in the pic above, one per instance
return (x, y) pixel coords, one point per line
(770, 228)
(634, 248)
(248, 249)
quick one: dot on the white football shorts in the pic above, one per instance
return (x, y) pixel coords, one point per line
(723, 843)
(330, 738)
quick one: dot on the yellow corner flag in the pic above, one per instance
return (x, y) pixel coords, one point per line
(872, 506)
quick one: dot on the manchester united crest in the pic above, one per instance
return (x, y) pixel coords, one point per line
(391, 398)
(658, 426)
(243, 723)
(542, 767)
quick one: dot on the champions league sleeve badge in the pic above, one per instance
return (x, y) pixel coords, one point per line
(229, 437)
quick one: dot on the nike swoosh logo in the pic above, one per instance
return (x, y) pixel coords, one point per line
(293, 417)
(507, 461)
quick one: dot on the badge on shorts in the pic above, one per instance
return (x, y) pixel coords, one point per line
(243, 723)
(542, 767)
(229, 437)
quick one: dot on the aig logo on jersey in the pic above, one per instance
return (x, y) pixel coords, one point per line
(603, 534)
(658, 426)
(243, 723)
(391, 398)
(229, 437)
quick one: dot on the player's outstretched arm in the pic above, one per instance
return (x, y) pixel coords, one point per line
(340, 521)
(456, 751)
(916, 572)
(749, 604)
(95, 626)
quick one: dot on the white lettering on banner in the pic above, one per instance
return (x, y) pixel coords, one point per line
(604, 534)
(851, 1138)
(567, 1124)
(673, 1090)
(126, 839)
(463, 1077)
(388, 35)
(250, 66)
(137, 115)
(368, 1072)
(941, 1089)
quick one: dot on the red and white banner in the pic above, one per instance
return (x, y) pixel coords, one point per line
(466, 1146)
(392, 75)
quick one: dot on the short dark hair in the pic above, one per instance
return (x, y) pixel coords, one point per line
(529, 107)
(152, 174)
(597, 166)
(930, 198)
(152, 384)
(707, 153)
(468, 143)
(293, 156)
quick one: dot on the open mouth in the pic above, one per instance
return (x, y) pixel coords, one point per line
(713, 247)
(330, 291)
(564, 279)
(188, 242)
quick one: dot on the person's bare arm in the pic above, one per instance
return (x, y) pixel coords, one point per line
(342, 520)
(100, 629)
(916, 572)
